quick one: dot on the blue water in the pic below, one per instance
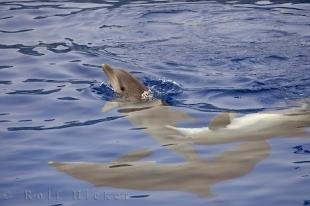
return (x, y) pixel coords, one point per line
(202, 57)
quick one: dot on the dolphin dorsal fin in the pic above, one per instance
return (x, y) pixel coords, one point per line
(220, 121)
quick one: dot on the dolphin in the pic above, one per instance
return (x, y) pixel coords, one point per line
(149, 114)
(124, 84)
(227, 127)
(195, 177)
(196, 174)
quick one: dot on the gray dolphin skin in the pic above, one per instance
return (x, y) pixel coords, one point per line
(151, 115)
(227, 128)
(195, 174)
(191, 176)
(124, 84)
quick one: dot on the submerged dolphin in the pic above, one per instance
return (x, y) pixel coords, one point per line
(195, 175)
(151, 115)
(192, 176)
(227, 128)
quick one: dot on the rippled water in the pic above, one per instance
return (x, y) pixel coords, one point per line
(202, 57)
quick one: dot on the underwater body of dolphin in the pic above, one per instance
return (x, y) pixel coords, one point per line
(227, 128)
(151, 115)
(195, 174)
(224, 128)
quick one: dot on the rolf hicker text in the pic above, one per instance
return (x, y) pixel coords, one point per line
(82, 194)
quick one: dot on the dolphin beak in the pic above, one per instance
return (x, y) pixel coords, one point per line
(107, 70)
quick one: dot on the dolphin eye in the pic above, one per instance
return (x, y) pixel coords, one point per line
(122, 89)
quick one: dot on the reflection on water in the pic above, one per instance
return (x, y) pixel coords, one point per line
(202, 58)
(152, 118)
(196, 174)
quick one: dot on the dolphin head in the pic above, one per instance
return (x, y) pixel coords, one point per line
(124, 84)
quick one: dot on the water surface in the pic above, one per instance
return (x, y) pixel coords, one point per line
(201, 57)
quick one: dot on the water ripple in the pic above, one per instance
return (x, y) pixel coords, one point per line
(162, 12)
(204, 57)
(68, 98)
(5, 66)
(35, 91)
(5, 82)
(104, 91)
(28, 50)
(302, 162)
(302, 149)
(17, 31)
(71, 81)
(68, 125)
(162, 88)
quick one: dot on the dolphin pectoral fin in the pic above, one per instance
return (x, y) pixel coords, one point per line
(178, 132)
(221, 121)
(188, 133)
(108, 106)
(62, 166)
(134, 156)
